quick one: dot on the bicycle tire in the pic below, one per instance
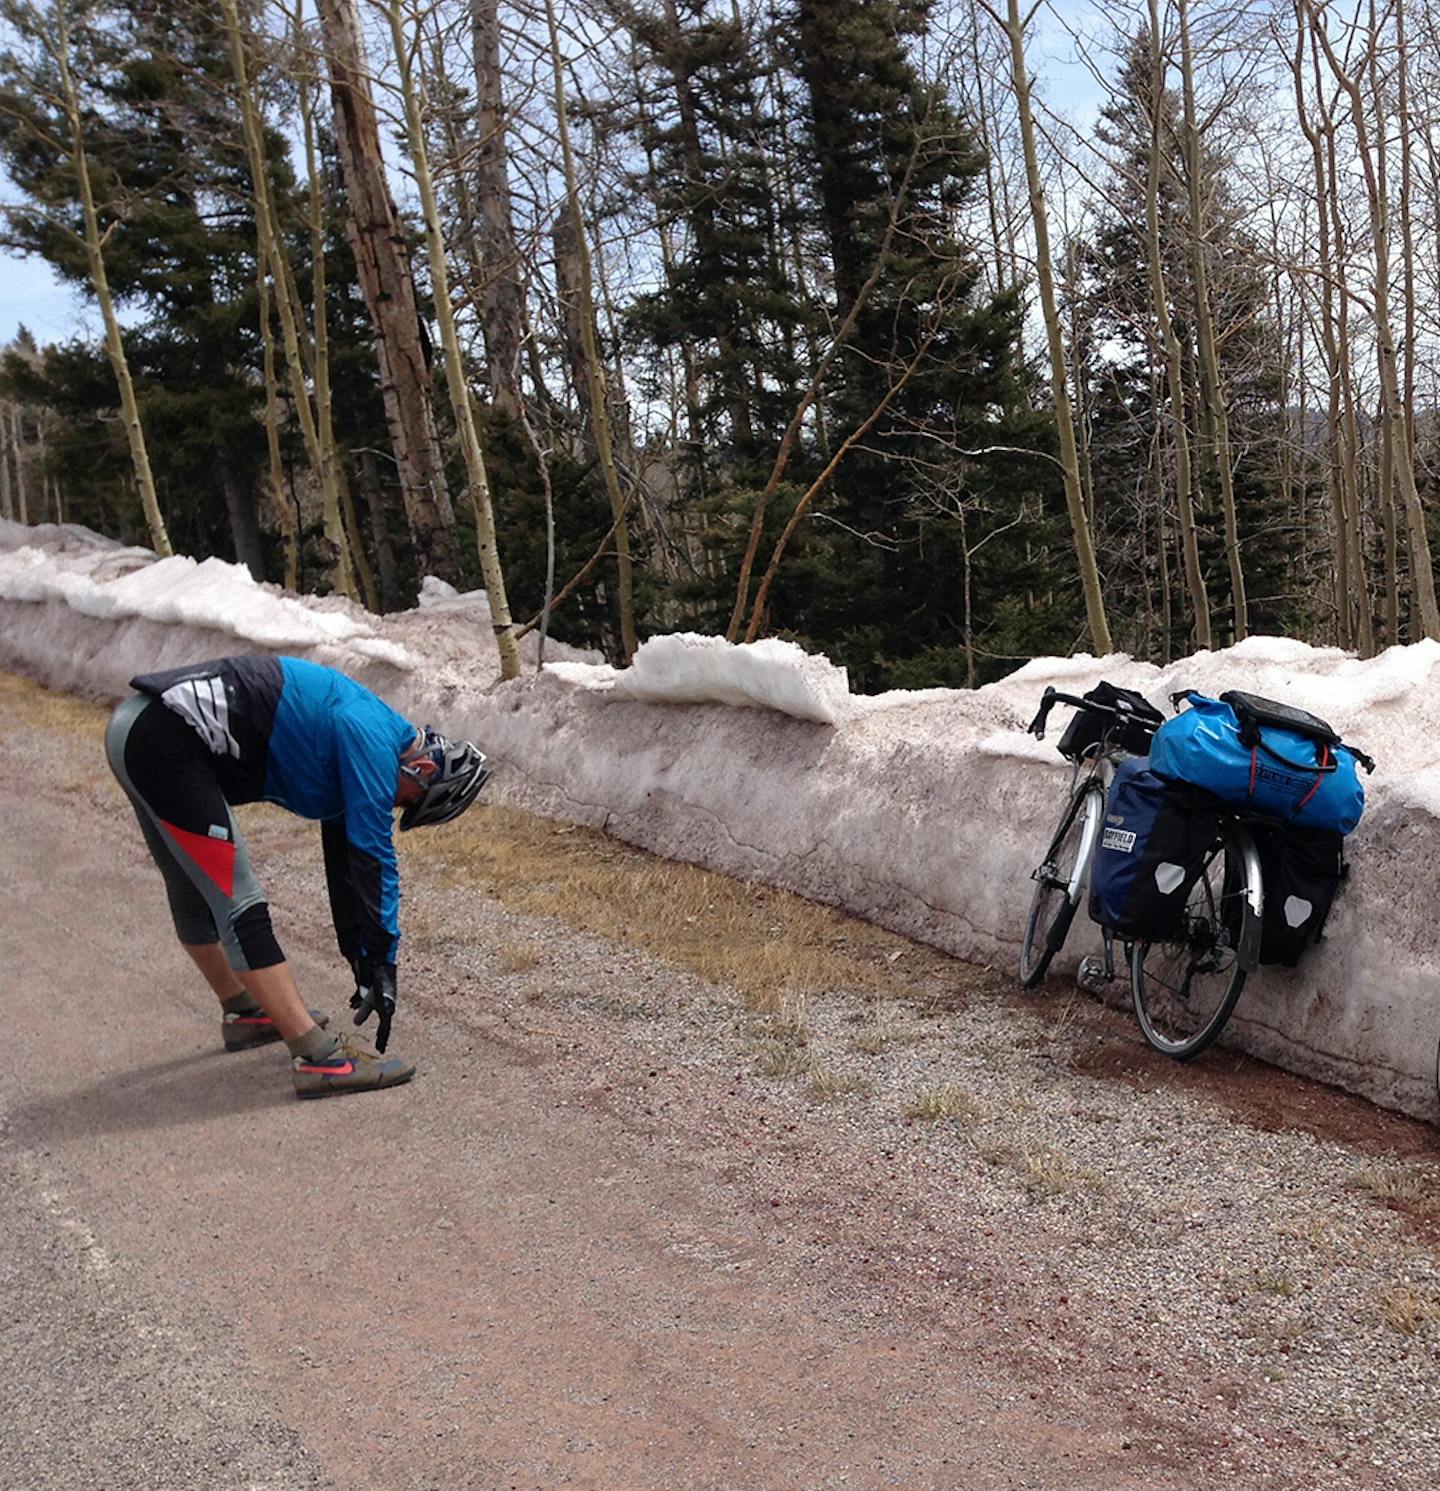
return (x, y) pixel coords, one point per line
(1051, 909)
(1175, 1021)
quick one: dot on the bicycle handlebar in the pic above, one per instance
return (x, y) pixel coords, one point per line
(1048, 700)
(1051, 697)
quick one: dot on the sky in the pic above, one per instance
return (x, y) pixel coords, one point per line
(31, 295)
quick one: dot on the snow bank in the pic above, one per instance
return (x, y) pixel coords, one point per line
(921, 811)
(685, 668)
(114, 584)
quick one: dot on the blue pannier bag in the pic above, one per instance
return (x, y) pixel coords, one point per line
(1252, 752)
(1152, 847)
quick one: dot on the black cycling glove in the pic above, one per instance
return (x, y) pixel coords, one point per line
(374, 994)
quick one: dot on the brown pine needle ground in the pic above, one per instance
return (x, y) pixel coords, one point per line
(773, 947)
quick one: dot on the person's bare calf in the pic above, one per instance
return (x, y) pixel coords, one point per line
(258, 1004)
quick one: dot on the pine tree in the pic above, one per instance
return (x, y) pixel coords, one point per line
(711, 147)
(929, 539)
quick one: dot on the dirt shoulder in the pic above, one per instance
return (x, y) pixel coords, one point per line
(699, 1187)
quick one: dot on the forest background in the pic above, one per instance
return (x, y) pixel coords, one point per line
(809, 318)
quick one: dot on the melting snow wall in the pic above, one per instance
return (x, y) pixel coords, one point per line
(921, 811)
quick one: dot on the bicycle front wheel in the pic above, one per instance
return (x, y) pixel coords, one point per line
(1186, 986)
(1052, 907)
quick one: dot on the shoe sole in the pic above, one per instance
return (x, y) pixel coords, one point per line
(336, 1090)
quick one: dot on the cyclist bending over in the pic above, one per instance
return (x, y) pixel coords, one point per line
(192, 742)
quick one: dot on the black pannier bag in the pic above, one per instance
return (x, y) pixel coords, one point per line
(1302, 868)
(1153, 843)
(1140, 719)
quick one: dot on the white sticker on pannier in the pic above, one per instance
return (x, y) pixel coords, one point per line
(1118, 839)
(1297, 911)
(1169, 878)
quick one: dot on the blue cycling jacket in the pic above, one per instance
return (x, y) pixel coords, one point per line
(286, 731)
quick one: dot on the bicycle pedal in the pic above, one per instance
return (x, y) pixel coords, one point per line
(1093, 976)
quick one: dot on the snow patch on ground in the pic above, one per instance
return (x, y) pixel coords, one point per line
(922, 811)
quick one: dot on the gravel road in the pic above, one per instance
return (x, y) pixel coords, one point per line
(596, 1245)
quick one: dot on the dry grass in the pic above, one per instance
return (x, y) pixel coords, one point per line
(880, 1036)
(1412, 1191)
(946, 1101)
(1276, 1282)
(827, 1086)
(785, 1024)
(1048, 1172)
(777, 1060)
(1404, 1309)
(30, 708)
(30, 713)
(874, 1042)
(770, 945)
(1043, 1172)
(1407, 1184)
(780, 1040)
(515, 957)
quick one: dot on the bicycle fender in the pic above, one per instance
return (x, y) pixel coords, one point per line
(1252, 923)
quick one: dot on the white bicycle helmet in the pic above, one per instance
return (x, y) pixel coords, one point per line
(461, 770)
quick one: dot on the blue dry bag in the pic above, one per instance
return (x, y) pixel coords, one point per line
(1252, 752)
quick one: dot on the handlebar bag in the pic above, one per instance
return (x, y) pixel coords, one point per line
(1138, 721)
(1251, 752)
(1152, 847)
(1303, 868)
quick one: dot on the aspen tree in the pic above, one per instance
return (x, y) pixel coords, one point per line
(273, 253)
(1385, 494)
(1014, 28)
(320, 361)
(1407, 250)
(1170, 342)
(275, 469)
(8, 455)
(1424, 575)
(55, 31)
(1317, 134)
(1211, 383)
(460, 401)
(22, 504)
(594, 367)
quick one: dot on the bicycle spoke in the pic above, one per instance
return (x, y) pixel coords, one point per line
(1186, 986)
(1051, 909)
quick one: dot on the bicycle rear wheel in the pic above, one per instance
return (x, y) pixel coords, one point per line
(1052, 908)
(1186, 986)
